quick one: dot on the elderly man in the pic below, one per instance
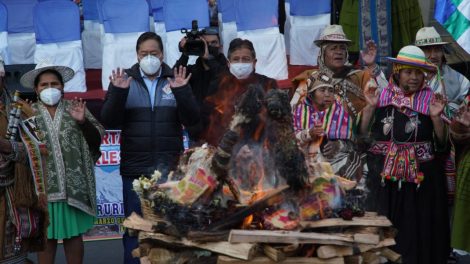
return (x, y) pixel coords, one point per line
(333, 63)
(448, 81)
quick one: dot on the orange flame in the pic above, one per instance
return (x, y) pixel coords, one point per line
(247, 222)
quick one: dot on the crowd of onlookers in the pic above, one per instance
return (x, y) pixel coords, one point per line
(404, 139)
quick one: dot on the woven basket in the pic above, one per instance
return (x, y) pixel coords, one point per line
(148, 212)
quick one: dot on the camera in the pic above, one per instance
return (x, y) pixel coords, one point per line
(194, 45)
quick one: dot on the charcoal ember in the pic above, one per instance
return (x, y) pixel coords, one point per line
(186, 218)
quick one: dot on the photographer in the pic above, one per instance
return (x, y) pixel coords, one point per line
(207, 68)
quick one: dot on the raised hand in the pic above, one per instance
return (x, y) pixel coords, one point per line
(463, 116)
(77, 110)
(369, 54)
(180, 78)
(437, 105)
(119, 79)
(371, 93)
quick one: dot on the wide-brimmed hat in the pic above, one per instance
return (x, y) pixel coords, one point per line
(27, 80)
(428, 36)
(413, 56)
(332, 33)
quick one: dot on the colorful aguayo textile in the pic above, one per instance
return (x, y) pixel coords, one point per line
(336, 121)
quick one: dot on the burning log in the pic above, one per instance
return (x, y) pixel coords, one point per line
(259, 205)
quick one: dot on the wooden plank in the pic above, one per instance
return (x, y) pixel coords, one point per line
(330, 251)
(291, 250)
(384, 243)
(145, 260)
(273, 254)
(370, 258)
(367, 239)
(161, 256)
(391, 255)
(136, 222)
(136, 253)
(266, 260)
(144, 249)
(244, 251)
(216, 236)
(289, 237)
(353, 260)
(380, 221)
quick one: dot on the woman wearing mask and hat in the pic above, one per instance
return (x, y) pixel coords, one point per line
(406, 183)
(72, 136)
(445, 81)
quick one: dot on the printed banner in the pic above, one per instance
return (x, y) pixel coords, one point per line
(110, 208)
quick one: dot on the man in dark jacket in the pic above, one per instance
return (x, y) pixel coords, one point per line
(206, 69)
(150, 103)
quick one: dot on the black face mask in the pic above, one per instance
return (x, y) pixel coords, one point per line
(214, 51)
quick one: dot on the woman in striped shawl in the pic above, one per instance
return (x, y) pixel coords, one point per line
(325, 130)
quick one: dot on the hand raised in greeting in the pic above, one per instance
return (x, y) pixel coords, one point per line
(119, 79)
(179, 79)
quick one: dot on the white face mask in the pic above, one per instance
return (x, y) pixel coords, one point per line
(50, 96)
(150, 64)
(241, 70)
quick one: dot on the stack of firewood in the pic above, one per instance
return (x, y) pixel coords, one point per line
(360, 240)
